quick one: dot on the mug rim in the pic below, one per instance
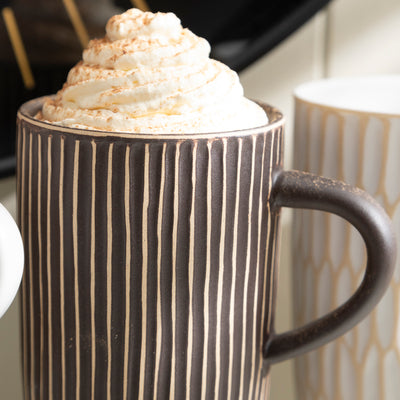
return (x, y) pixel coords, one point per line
(30, 107)
(306, 94)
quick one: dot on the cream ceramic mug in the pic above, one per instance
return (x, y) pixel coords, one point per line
(349, 129)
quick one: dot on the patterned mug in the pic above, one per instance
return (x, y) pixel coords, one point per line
(151, 260)
(347, 128)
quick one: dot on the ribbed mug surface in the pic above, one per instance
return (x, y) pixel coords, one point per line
(149, 261)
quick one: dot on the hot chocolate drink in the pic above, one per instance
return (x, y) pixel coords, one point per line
(150, 219)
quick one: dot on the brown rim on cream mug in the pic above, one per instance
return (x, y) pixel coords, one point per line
(151, 260)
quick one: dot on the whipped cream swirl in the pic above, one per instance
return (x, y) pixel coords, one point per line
(150, 75)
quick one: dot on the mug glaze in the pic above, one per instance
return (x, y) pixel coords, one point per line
(151, 260)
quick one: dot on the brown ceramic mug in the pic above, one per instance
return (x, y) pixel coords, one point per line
(151, 260)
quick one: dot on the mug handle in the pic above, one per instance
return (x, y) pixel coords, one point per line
(304, 190)
(11, 259)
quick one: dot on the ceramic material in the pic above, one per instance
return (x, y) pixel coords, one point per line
(11, 259)
(347, 129)
(151, 261)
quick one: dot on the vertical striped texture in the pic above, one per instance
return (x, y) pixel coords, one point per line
(148, 265)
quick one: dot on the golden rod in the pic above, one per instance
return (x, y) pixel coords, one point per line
(77, 22)
(18, 47)
(141, 5)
